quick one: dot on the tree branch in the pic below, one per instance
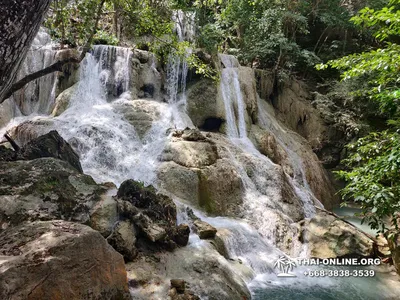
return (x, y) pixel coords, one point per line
(57, 66)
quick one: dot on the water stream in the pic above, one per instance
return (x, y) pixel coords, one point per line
(111, 150)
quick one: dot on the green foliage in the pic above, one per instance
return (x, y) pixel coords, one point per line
(105, 38)
(374, 177)
(70, 21)
(373, 166)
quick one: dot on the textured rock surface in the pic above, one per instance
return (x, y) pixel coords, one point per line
(104, 214)
(328, 236)
(153, 214)
(45, 189)
(59, 260)
(190, 154)
(204, 102)
(141, 114)
(63, 100)
(205, 230)
(205, 272)
(50, 145)
(123, 239)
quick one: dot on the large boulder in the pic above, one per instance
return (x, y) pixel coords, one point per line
(206, 273)
(123, 239)
(205, 230)
(7, 154)
(190, 154)
(59, 260)
(45, 189)
(63, 100)
(204, 105)
(328, 236)
(50, 145)
(154, 215)
(141, 114)
(104, 215)
(267, 144)
(248, 88)
(220, 197)
(145, 79)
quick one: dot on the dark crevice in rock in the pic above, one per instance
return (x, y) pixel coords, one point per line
(212, 124)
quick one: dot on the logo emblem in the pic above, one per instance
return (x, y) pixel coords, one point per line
(285, 265)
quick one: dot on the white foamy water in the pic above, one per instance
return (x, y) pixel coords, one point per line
(111, 150)
(38, 95)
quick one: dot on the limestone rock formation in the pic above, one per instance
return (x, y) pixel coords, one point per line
(205, 230)
(63, 100)
(59, 260)
(205, 108)
(104, 214)
(206, 272)
(141, 114)
(153, 214)
(50, 145)
(123, 239)
(328, 236)
(45, 189)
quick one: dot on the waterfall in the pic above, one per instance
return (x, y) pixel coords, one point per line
(177, 70)
(114, 68)
(38, 95)
(300, 183)
(109, 146)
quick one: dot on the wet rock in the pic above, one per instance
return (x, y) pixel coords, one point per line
(50, 145)
(205, 230)
(104, 214)
(63, 100)
(30, 130)
(180, 181)
(178, 284)
(180, 234)
(7, 154)
(141, 55)
(153, 214)
(267, 144)
(45, 189)
(204, 270)
(328, 236)
(141, 114)
(216, 196)
(204, 102)
(123, 239)
(193, 135)
(58, 260)
(190, 154)
(248, 88)
(153, 231)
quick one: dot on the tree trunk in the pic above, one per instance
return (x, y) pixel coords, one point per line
(19, 23)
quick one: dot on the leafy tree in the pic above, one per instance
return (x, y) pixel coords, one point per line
(374, 162)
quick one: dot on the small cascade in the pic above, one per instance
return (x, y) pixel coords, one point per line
(114, 68)
(177, 70)
(109, 146)
(300, 183)
(233, 99)
(39, 95)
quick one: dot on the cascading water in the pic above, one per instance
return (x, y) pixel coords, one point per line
(109, 145)
(177, 70)
(111, 150)
(38, 95)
